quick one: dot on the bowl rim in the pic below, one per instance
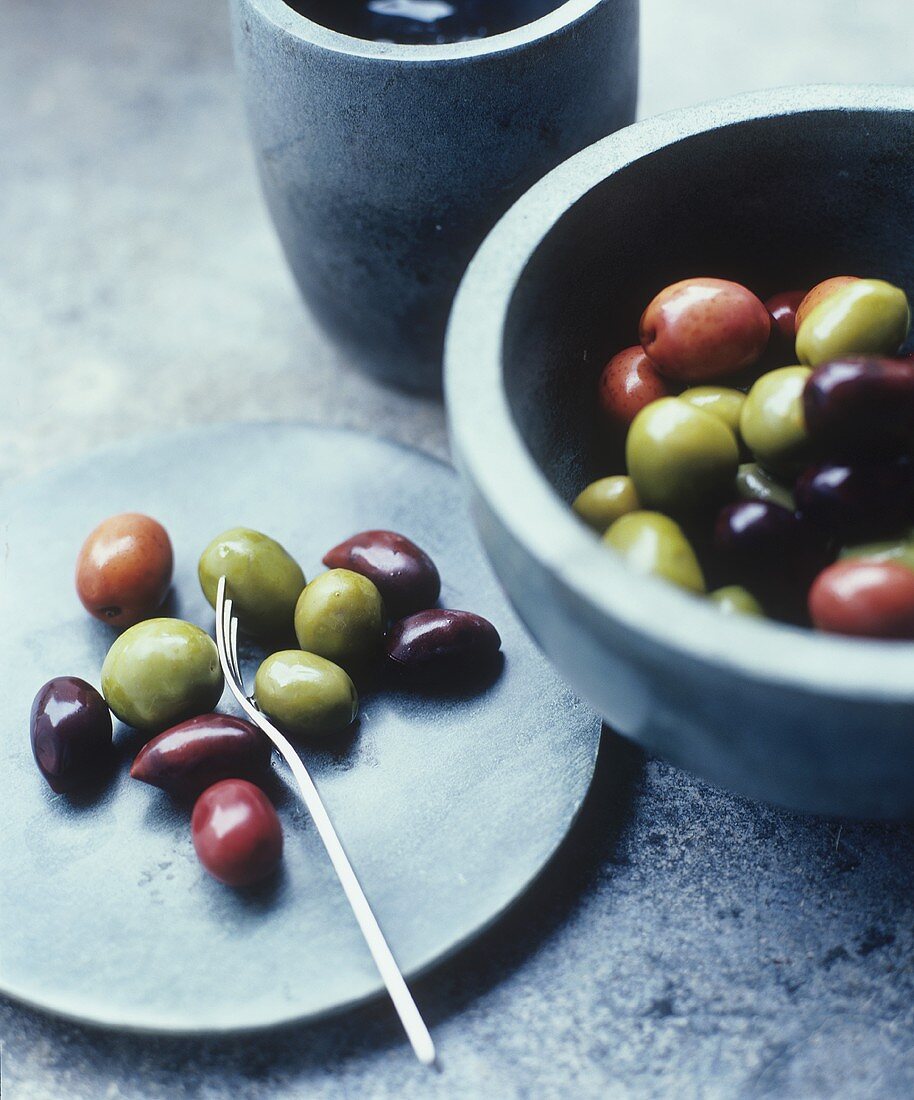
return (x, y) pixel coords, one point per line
(492, 453)
(287, 19)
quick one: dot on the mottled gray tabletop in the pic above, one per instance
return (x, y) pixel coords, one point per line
(685, 943)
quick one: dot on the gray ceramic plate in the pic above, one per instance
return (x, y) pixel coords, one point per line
(448, 806)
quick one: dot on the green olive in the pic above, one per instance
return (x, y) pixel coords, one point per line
(773, 423)
(722, 401)
(652, 543)
(900, 550)
(263, 580)
(340, 616)
(680, 457)
(161, 672)
(736, 600)
(604, 501)
(754, 482)
(307, 695)
(864, 317)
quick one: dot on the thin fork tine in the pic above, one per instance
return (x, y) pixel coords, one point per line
(233, 649)
(223, 631)
(230, 641)
(400, 995)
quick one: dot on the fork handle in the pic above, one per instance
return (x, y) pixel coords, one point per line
(397, 988)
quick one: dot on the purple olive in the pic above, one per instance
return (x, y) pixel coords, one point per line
(402, 572)
(195, 754)
(860, 405)
(768, 548)
(440, 641)
(70, 732)
(865, 500)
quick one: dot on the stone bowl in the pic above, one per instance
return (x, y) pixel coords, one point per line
(776, 189)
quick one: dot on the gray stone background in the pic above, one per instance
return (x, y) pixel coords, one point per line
(686, 943)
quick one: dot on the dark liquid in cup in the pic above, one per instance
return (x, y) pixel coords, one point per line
(422, 22)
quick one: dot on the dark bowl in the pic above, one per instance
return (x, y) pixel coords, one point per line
(777, 190)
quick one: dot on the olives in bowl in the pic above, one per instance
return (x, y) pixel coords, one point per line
(799, 716)
(784, 517)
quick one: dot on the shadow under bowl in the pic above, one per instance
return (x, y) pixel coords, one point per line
(776, 190)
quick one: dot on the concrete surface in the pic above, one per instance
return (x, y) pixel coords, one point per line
(687, 943)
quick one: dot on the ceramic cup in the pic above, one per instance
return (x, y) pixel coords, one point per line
(385, 165)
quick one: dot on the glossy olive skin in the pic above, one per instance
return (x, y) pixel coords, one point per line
(767, 548)
(236, 833)
(900, 550)
(402, 572)
(733, 599)
(160, 672)
(720, 401)
(818, 294)
(124, 569)
(754, 482)
(262, 578)
(773, 422)
(699, 330)
(605, 500)
(628, 383)
(654, 544)
(865, 500)
(861, 406)
(866, 599)
(340, 616)
(865, 317)
(783, 309)
(442, 640)
(70, 731)
(195, 754)
(306, 695)
(679, 457)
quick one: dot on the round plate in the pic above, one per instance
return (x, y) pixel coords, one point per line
(448, 806)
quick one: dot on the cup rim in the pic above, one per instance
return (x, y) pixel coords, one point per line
(287, 19)
(492, 453)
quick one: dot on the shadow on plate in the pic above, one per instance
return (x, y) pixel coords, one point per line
(446, 989)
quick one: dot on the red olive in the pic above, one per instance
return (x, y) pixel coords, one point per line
(701, 329)
(441, 640)
(236, 833)
(195, 754)
(402, 572)
(868, 599)
(124, 569)
(70, 732)
(783, 309)
(819, 293)
(628, 382)
(859, 405)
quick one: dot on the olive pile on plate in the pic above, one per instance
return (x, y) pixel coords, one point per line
(375, 608)
(769, 452)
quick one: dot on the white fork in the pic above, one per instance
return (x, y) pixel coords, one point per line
(413, 1024)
